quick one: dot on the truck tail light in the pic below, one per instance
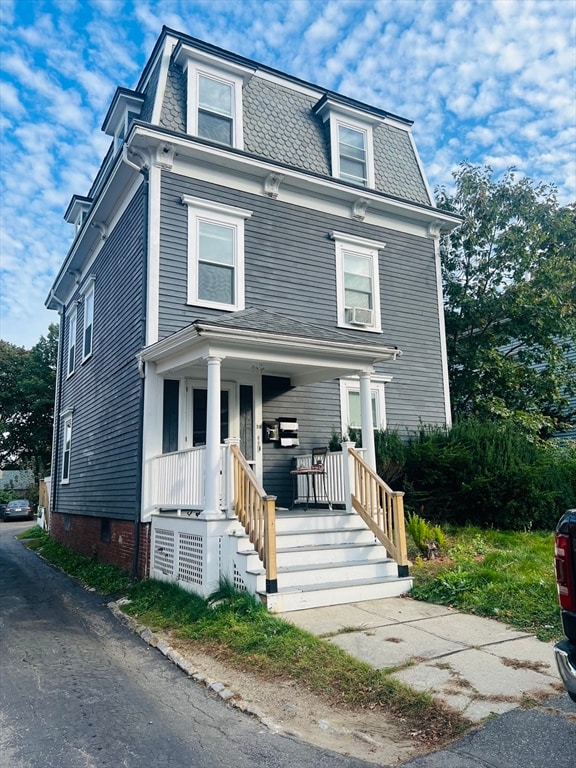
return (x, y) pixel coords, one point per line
(564, 565)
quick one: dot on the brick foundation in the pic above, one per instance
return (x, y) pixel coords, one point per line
(83, 535)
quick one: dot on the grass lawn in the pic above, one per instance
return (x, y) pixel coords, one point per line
(506, 575)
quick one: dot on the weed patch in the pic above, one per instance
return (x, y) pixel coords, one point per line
(505, 575)
(101, 577)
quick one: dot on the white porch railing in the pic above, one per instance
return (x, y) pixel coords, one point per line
(178, 479)
(334, 479)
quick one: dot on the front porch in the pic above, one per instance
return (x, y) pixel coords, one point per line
(292, 558)
(204, 490)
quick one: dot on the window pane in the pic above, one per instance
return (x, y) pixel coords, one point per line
(215, 96)
(66, 452)
(199, 416)
(357, 281)
(71, 344)
(215, 127)
(354, 413)
(352, 139)
(88, 322)
(352, 170)
(216, 243)
(216, 283)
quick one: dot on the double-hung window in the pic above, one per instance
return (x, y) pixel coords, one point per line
(215, 109)
(351, 416)
(357, 282)
(88, 332)
(72, 322)
(215, 254)
(351, 140)
(66, 447)
(352, 155)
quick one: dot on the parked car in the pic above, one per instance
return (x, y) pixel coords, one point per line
(19, 508)
(565, 561)
(2, 510)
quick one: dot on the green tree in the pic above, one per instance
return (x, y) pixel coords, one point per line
(27, 385)
(509, 276)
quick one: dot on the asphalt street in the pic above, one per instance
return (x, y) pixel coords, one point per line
(78, 690)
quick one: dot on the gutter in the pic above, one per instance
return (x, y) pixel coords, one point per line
(140, 449)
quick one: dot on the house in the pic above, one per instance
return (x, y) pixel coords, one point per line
(19, 482)
(255, 268)
(570, 432)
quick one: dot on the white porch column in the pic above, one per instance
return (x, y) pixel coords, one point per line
(366, 420)
(212, 456)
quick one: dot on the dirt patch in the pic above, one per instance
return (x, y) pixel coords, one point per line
(284, 707)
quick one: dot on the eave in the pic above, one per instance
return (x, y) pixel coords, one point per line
(145, 138)
(303, 360)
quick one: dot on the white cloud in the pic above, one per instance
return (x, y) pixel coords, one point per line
(11, 99)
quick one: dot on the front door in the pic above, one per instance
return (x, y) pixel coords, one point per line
(240, 416)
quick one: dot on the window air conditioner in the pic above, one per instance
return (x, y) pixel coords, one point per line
(359, 316)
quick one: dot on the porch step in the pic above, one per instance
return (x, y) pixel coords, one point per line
(318, 553)
(315, 519)
(300, 576)
(337, 593)
(324, 557)
(316, 537)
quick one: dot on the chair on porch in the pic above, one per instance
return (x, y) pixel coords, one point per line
(316, 469)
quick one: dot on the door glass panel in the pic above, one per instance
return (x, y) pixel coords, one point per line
(199, 411)
(170, 416)
(247, 421)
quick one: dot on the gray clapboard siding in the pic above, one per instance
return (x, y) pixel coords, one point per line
(104, 391)
(290, 269)
(317, 408)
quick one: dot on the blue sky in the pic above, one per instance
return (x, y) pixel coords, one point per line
(485, 81)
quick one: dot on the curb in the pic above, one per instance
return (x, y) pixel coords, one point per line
(224, 693)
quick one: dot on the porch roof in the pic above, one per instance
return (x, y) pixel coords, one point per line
(277, 345)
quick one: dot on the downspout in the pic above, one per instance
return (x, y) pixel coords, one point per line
(57, 403)
(141, 370)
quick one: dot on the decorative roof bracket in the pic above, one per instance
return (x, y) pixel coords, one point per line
(272, 184)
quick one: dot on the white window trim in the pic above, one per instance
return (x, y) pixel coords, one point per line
(224, 75)
(67, 428)
(377, 386)
(226, 215)
(88, 291)
(367, 248)
(72, 337)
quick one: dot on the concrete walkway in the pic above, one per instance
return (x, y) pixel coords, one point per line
(477, 666)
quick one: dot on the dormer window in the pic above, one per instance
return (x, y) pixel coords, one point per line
(351, 144)
(78, 211)
(214, 96)
(125, 108)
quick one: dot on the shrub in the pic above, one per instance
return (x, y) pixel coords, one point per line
(480, 472)
(424, 535)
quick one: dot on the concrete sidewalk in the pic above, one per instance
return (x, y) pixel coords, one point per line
(477, 666)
